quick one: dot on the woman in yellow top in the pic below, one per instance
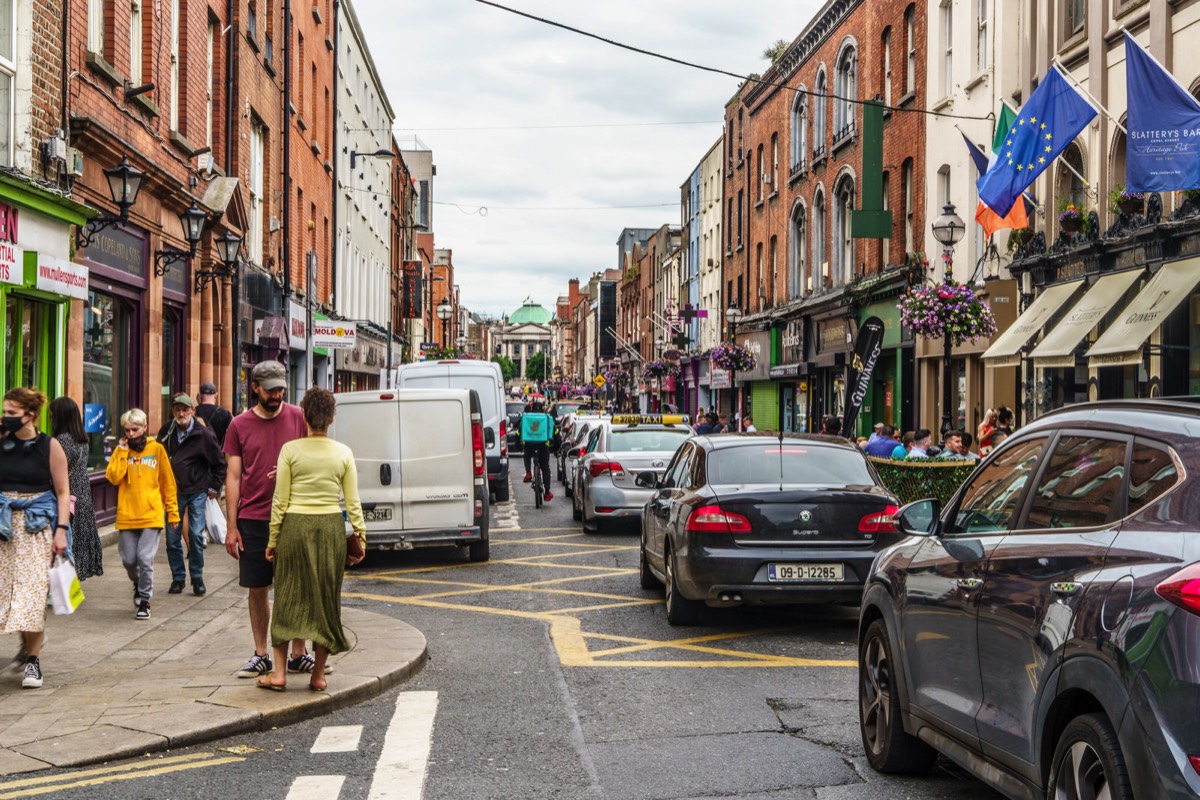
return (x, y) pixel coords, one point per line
(146, 495)
(308, 542)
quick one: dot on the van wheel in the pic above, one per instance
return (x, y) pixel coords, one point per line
(502, 492)
(479, 551)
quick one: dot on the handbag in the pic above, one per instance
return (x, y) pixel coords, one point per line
(214, 519)
(65, 592)
(354, 547)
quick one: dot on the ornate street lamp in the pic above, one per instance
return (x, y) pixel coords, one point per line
(192, 222)
(733, 315)
(124, 183)
(228, 246)
(444, 312)
(948, 229)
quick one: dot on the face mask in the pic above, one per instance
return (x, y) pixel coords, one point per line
(138, 444)
(11, 424)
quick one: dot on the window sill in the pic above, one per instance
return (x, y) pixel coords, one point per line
(740, 248)
(107, 72)
(773, 196)
(798, 173)
(181, 143)
(316, 12)
(758, 204)
(818, 160)
(906, 100)
(945, 102)
(978, 80)
(301, 123)
(838, 144)
(269, 67)
(1073, 47)
(315, 146)
(328, 166)
(147, 105)
(329, 43)
(252, 40)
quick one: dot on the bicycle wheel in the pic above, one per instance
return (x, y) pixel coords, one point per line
(538, 490)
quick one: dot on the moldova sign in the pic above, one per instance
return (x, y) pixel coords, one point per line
(335, 333)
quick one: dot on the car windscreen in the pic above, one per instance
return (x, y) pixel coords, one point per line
(514, 408)
(562, 409)
(793, 463)
(640, 441)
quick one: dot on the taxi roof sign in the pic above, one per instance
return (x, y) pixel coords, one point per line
(651, 419)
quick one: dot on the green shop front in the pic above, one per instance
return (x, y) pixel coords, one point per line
(890, 400)
(760, 399)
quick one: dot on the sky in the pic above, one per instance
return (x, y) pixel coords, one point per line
(540, 135)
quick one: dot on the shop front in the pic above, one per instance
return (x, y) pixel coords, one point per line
(358, 368)
(830, 349)
(891, 394)
(261, 328)
(760, 400)
(790, 374)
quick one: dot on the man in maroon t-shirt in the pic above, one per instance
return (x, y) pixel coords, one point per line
(252, 445)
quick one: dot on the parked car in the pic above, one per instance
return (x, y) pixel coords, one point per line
(605, 495)
(572, 440)
(756, 519)
(1043, 629)
(513, 410)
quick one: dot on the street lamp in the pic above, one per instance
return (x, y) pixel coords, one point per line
(462, 344)
(733, 315)
(228, 245)
(192, 222)
(124, 182)
(948, 229)
(444, 312)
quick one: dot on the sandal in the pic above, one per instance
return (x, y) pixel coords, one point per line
(316, 685)
(274, 687)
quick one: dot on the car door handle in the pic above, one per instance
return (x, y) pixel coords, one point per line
(968, 584)
(1066, 588)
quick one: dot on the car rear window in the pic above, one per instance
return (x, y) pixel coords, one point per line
(640, 441)
(514, 408)
(813, 464)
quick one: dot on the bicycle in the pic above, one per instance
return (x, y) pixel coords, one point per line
(539, 487)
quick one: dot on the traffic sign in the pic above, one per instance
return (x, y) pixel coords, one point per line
(599, 381)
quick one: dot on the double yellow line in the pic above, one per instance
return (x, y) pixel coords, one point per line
(30, 787)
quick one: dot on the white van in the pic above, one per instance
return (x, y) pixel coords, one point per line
(421, 467)
(486, 379)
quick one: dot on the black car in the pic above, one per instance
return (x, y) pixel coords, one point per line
(759, 518)
(1043, 629)
(514, 409)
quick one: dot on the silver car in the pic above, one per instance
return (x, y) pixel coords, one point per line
(605, 494)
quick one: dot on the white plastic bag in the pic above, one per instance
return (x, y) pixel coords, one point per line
(65, 592)
(214, 519)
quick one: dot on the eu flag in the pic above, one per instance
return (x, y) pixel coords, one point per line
(1163, 150)
(1053, 117)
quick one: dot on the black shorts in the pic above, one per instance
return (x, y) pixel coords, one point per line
(254, 571)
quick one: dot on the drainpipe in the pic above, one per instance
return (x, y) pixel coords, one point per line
(236, 279)
(287, 155)
(333, 214)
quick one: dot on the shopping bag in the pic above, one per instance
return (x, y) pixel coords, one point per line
(65, 592)
(214, 518)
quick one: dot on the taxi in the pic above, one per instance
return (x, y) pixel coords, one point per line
(605, 495)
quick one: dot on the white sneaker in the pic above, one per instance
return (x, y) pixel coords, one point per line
(33, 675)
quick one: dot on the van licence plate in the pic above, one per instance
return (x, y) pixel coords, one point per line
(377, 514)
(792, 573)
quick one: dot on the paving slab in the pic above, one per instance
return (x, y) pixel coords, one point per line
(100, 743)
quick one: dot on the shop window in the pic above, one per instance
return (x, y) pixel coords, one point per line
(31, 344)
(110, 356)
(8, 70)
(173, 380)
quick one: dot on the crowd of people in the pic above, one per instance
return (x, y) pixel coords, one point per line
(284, 482)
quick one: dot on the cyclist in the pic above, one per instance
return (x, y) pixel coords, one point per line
(537, 429)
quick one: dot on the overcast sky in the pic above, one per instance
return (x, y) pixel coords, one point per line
(504, 81)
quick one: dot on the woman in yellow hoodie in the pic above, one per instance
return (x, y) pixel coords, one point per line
(141, 471)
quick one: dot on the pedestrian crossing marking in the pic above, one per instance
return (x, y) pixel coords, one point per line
(400, 771)
(316, 787)
(337, 739)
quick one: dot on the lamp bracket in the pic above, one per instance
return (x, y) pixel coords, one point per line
(163, 259)
(204, 277)
(86, 233)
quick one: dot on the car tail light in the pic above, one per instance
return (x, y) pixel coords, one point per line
(503, 438)
(480, 462)
(598, 468)
(716, 520)
(1182, 589)
(879, 521)
(387, 396)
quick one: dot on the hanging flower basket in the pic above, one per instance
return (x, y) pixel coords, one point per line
(1070, 218)
(615, 375)
(660, 369)
(947, 308)
(733, 358)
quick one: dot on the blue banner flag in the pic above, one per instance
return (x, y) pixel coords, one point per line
(1163, 146)
(1053, 117)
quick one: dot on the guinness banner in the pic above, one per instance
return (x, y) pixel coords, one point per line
(862, 366)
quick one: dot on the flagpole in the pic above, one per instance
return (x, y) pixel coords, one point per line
(1062, 71)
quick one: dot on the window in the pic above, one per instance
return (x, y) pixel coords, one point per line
(947, 70)
(96, 26)
(843, 248)
(729, 227)
(175, 95)
(910, 51)
(1081, 485)
(887, 204)
(886, 77)
(258, 149)
(1076, 17)
(798, 273)
(819, 264)
(110, 349)
(300, 75)
(741, 204)
(1151, 473)
(981, 35)
(209, 117)
(994, 493)
(846, 94)
(135, 42)
(799, 138)
(906, 187)
(819, 101)
(774, 161)
(943, 185)
(762, 173)
(774, 269)
(8, 71)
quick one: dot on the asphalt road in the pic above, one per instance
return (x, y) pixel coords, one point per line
(552, 675)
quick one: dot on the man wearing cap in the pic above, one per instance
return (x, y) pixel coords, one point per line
(199, 467)
(214, 416)
(252, 446)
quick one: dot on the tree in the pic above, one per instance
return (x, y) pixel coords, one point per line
(775, 51)
(536, 368)
(507, 368)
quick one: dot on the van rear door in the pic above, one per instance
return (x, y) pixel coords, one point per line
(370, 425)
(438, 490)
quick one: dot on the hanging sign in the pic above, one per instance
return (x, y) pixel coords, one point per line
(335, 333)
(59, 276)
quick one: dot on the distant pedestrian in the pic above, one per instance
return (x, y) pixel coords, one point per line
(922, 440)
(902, 449)
(708, 422)
(985, 429)
(252, 446)
(882, 445)
(35, 509)
(748, 425)
(199, 467)
(722, 423)
(831, 425)
(308, 543)
(66, 426)
(214, 416)
(953, 448)
(1004, 422)
(146, 496)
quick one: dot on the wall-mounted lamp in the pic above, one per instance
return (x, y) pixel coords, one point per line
(124, 182)
(192, 221)
(381, 153)
(228, 245)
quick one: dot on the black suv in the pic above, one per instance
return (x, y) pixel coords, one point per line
(1043, 630)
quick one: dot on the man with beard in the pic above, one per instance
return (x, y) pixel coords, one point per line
(252, 445)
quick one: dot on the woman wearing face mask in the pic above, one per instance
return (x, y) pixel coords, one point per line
(141, 471)
(35, 507)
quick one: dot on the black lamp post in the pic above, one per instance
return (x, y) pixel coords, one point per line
(947, 229)
(733, 315)
(444, 312)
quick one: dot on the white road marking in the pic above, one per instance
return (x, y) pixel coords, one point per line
(316, 787)
(400, 772)
(337, 739)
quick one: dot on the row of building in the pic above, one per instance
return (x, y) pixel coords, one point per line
(799, 224)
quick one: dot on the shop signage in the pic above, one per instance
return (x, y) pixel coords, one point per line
(785, 371)
(12, 263)
(833, 335)
(59, 276)
(335, 333)
(120, 250)
(297, 326)
(862, 367)
(412, 290)
(758, 343)
(719, 378)
(791, 342)
(8, 223)
(366, 355)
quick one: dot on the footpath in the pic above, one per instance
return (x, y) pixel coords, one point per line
(117, 687)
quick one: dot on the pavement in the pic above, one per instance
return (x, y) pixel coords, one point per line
(116, 687)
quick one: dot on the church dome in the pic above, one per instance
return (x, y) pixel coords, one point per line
(530, 312)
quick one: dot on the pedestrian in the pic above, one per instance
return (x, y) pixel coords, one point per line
(1004, 422)
(967, 441)
(35, 506)
(722, 423)
(985, 428)
(748, 425)
(66, 426)
(146, 495)
(308, 544)
(881, 446)
(214, 416)
(707, 422)
(953, 448)
(199, 468)
(831, 425)
(252, 446)
(905, 445)
(922, 439)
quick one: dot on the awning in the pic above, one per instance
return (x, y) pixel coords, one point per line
(1006, 350)
(1122, 342)
(1058, 347)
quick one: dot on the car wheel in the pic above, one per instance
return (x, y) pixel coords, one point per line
(502, 492)
(888, 747)
(576, 511)
(568, 490)
(646, 578)
(1088, 762)
(680, 610)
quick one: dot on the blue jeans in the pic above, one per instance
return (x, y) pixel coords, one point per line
(193, 506)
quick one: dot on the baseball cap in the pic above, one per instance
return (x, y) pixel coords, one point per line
(269, 375)
(208, 388)
(182, 399)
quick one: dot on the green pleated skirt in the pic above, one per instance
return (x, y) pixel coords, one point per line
(310, 559)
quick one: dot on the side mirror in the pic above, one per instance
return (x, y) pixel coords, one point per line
(647, 479)
(489, 437)
(921, 518)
